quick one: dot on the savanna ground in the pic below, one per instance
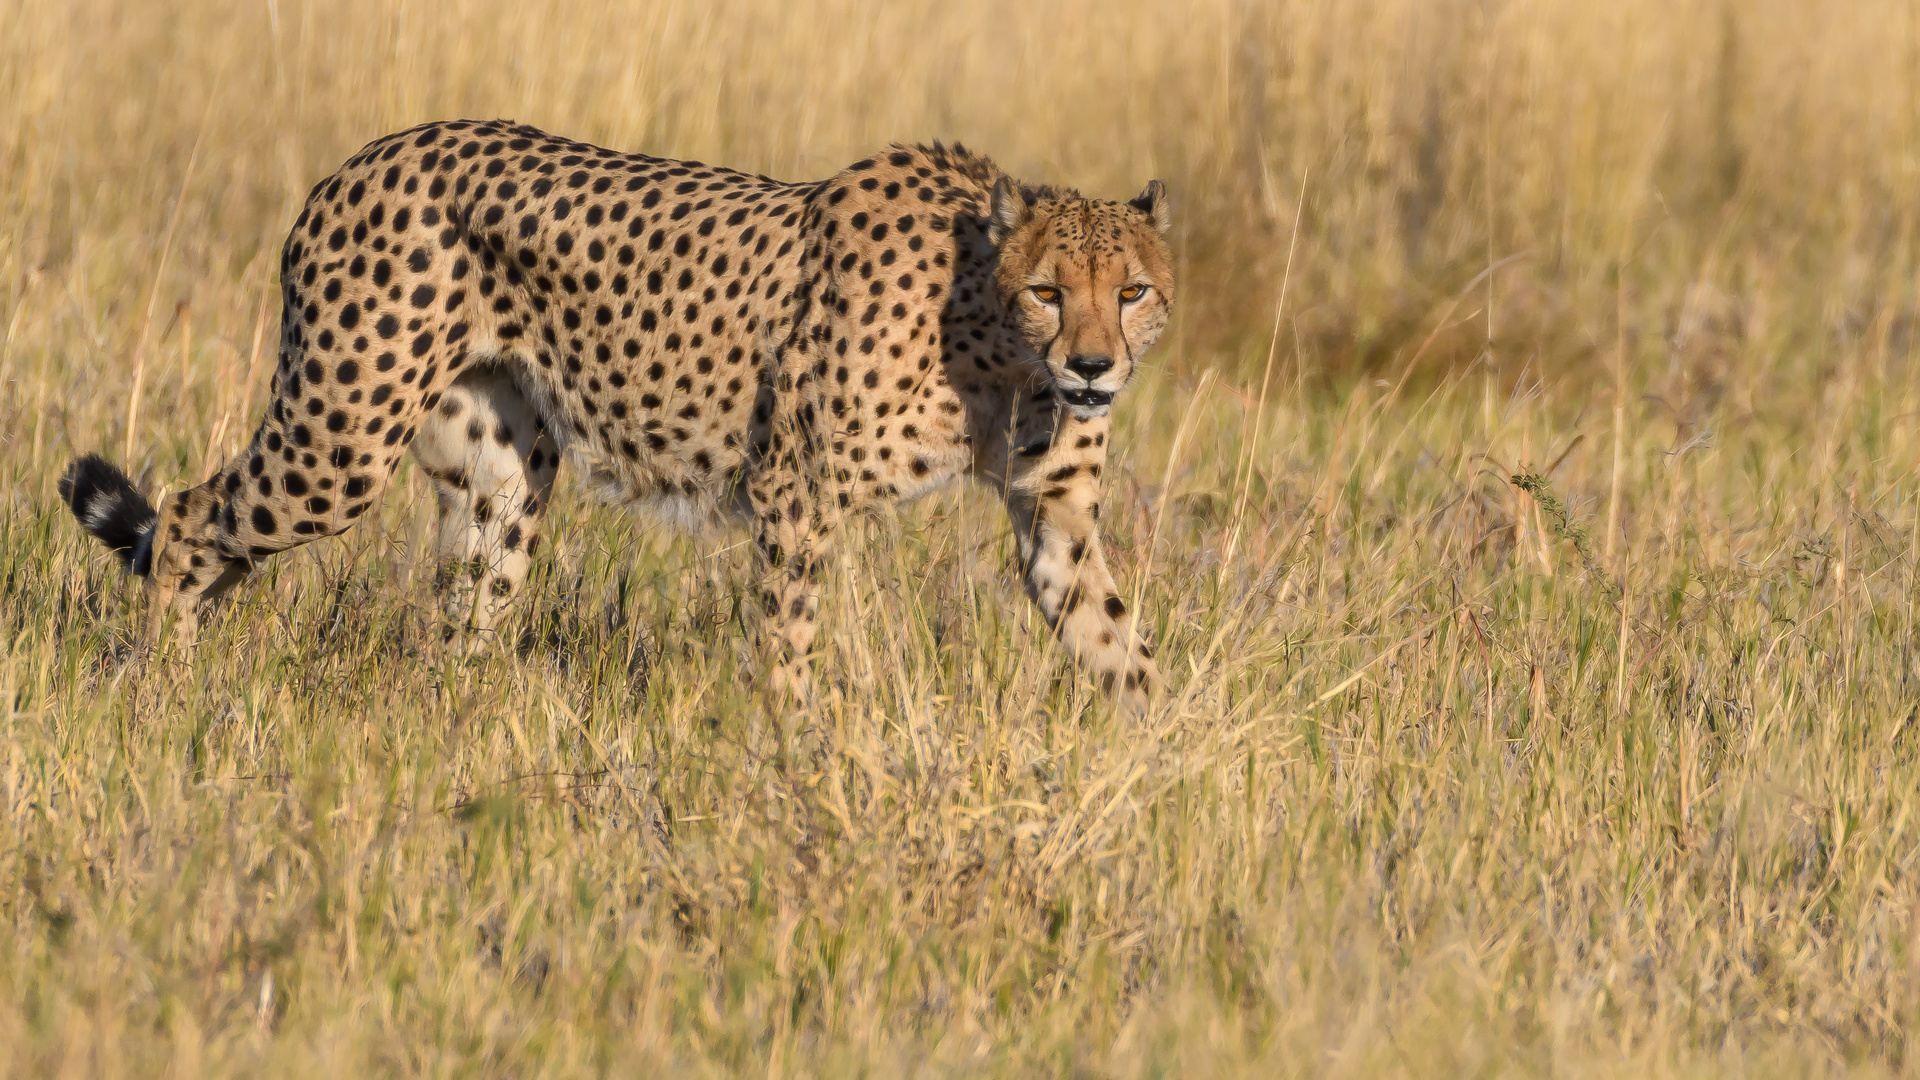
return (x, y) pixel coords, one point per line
(1438, 791)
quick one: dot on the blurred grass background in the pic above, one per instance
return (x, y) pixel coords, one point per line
(1743, 162)
(1427, 798)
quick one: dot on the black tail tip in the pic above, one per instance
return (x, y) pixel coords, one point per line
(107, 505)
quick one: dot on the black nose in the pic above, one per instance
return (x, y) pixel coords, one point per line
(1090, 367)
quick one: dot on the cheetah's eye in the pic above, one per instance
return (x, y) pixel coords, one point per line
(1132, 292)
(1046, 294)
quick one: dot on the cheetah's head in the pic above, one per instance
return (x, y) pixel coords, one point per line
(1086, 285)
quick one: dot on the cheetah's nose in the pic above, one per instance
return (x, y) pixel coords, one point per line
(1090, 367)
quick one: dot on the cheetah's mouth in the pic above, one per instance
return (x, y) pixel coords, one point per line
(1086, 399)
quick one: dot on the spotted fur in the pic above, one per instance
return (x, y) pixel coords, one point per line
(707, 342)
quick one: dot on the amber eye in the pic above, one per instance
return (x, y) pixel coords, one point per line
(1046, 294)
(1132, 293)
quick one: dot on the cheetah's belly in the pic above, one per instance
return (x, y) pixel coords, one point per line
(670, 439)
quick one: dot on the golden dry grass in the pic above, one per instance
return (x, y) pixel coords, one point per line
(1426, 799)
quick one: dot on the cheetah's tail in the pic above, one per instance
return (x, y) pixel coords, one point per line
(104, 500)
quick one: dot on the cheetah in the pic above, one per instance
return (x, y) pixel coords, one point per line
(713, 345)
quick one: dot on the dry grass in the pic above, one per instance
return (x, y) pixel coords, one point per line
(1426, 800)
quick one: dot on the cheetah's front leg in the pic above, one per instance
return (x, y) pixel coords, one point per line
(1053, 496)
(794, 534)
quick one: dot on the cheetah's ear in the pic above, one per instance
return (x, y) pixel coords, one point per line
(1009, 212)
(1153, 202)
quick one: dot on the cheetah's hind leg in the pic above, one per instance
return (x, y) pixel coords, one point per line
(493, 464)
